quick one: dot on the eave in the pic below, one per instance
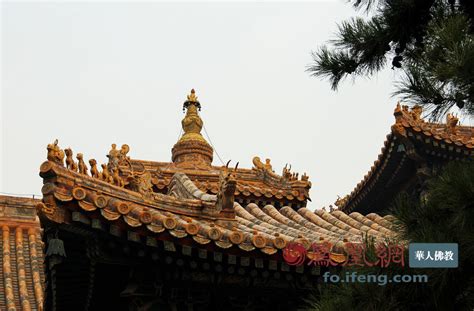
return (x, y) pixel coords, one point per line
(410, 144)
(74, 199)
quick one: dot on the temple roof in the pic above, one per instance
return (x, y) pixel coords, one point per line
(192, 202)
(411, 140)
(259, 183)
(22, 273)
(189, 213)
(193, 155)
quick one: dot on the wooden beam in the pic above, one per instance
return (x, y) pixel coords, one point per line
(232, 259)
(133, 236)
(151, 242)
(217, 257)
(169, 246)
(202, 253)
(97, 224)
(115, 231)
(272, 265)
(258, 263)
(78, 217)
(186, 250)
(244, 261)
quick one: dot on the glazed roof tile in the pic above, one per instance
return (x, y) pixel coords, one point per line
(258, 181)
(189, 212)
(22, 274)
(409, 126)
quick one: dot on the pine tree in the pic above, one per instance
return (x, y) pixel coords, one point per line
(430, 43)
(445, 216)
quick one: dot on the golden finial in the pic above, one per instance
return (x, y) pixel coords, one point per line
(192, 99)
(192, 147)
(192, 122)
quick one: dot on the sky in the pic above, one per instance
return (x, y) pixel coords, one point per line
(93, 74)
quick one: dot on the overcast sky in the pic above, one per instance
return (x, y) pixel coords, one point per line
(95, 74)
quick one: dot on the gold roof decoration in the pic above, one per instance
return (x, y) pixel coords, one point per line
(192, 122)
(192, 99)
(193, 156)
(340, 202)
(192, 147)
(187, 211)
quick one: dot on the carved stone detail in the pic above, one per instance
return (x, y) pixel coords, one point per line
(227, 186)
(267, 172)
(451, 122)
(140, 182)
(94, 171)
(70, 164)
(341, 202)
(55, 154)
(117, 180)
(105, 175)
(81, 164)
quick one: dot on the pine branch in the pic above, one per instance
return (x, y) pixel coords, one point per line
(432, 41)
(360, 50)
(442, 75)
(417, 88)
(365, 5)
(332, 65)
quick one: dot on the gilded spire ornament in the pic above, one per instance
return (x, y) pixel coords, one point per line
(192, 99)
(192, 147)
(192, 122)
